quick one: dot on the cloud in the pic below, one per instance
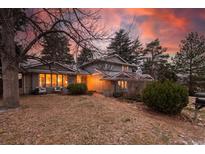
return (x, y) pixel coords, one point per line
(169, 25)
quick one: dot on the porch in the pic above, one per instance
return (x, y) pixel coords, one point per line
(49, 81)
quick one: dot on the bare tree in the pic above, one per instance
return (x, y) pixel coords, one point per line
(24, 29)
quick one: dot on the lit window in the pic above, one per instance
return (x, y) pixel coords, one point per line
(54, 80)
(42, 80)
(20, 76)
(125, 82)
(48, 80)
(83, 79)
(65, 80)
(79, 79)
(122, 84)
(125, 68)
(60, 80)
(20, 80)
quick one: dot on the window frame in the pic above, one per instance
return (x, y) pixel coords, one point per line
(39, 78)
(122, 84)
(63, 82)
(48, 74)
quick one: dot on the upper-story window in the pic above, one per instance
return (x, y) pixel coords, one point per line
(125, 68)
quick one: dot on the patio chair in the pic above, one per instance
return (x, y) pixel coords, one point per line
(42, 90)
(57, 89)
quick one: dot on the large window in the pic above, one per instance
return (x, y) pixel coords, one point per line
(60, 80)
(48, 80)
(54, 80)
(122, 84)
(81, 79)
(42, 80)
(65, 80)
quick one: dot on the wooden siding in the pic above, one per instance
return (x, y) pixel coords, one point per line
(35, 80)
(95, 83)
(1, 87)
(136, 87)
(105, 67)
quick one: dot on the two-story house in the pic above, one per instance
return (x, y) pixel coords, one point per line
(106, 75)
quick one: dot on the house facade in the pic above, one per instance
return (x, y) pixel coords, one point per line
(112, 74)
(107, 75)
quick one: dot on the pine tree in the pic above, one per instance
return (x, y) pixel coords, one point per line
(136, 50)
(166, 71)
(121, 45)
(85, 56)
(156, 56)
(190, 60)
(56, 48)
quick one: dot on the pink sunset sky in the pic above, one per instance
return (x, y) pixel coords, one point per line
(169, 25)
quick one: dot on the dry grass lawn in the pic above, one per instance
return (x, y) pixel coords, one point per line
(56, 119)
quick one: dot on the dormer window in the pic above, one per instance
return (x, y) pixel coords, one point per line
(125, 68)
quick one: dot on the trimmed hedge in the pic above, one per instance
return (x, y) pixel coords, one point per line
(166, 97)
(77, 88)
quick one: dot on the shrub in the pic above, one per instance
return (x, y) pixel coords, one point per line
(137, 98)
(35, 91)
(166, 97)
(77, 88)
(90, 93)
(117, 94)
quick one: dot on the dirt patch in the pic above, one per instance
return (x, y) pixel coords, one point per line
(55, 119)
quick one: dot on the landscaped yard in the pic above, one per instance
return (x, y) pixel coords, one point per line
(56, 119)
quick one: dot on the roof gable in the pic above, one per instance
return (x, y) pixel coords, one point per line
(115, 58)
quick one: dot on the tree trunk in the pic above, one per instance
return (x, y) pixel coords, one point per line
(10, 85)
(9, 63)
(191, 91)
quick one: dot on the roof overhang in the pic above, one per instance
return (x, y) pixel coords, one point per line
(50, 71)
(111, 62)
(125, 76)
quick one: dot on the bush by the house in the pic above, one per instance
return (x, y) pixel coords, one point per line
(35, 91)
(166, 97)
(137, 98)
(77, 88)
(117, 94)
(91, 92)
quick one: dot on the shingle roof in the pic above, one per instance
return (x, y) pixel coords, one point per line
(109, 75)
(30, 64)
(105, 59)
